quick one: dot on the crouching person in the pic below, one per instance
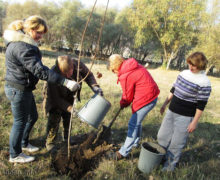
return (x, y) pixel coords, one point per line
(58, 100)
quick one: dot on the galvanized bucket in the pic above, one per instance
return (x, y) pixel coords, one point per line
(94, 111)
(150, 156)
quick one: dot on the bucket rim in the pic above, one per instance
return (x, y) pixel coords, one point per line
(156, 144)
(102, 97)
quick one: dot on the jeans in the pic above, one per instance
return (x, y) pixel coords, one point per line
(53, 124)
(25, 115)
(173, 135)
(135, 128)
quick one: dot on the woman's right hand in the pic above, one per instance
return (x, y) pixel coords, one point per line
(167, 101)
(162, 109)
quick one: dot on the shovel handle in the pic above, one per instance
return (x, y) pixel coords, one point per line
(113, 120)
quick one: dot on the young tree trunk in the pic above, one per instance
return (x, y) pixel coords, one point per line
(209, 68)
(145, 55)
(172, 56)
(169, 61)
(165, 59)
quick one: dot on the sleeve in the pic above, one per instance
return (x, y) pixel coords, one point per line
(204, 93)
(30, 59)
(202, 97)
(201, 105)
(90, 79)
(176, 81)
(128, 88)
(172, 90)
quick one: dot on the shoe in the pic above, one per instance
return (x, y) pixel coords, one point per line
(22, 158)
(30, 148)
(136, 146)
(49, 147)
(118, 156)
(114, 155)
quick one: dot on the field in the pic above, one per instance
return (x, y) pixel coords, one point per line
(200, 159)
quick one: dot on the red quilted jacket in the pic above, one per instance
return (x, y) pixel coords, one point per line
(137, 84)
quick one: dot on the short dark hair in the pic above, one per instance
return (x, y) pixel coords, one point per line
(198, 59)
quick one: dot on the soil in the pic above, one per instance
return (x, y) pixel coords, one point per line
(150, 148)
(84, 156)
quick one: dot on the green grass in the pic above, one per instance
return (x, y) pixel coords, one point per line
(200, 159)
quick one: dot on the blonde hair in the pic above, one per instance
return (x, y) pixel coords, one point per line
(115, 62)
(31, 23)
(16, 25)
(65, 63)
(198, 59)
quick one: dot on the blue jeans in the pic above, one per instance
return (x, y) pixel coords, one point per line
(135, 128)
(25, 115)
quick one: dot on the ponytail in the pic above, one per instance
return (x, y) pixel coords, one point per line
(16, 25)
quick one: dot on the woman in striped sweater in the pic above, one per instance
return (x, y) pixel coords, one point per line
(188, 98)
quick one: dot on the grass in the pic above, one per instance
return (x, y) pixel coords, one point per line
(200, 159)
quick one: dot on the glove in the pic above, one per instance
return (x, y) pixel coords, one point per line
(123, 104)
(97, 90)
(71, 85)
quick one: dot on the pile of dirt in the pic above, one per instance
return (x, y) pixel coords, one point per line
(84, 156)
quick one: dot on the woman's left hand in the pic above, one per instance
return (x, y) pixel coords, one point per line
(192, 126)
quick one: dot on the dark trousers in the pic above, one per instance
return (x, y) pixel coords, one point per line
(54, 119)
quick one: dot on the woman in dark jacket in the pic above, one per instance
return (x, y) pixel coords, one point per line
(23, 70)
(58, 100)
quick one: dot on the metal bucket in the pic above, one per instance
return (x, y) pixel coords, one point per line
(150, 156)
(94, 111)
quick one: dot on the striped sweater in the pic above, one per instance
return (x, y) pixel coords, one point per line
(191, 91)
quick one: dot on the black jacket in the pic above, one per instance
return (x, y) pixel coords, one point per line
(23, 62)
(59, 97)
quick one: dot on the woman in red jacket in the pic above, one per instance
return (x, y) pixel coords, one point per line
(138, 88)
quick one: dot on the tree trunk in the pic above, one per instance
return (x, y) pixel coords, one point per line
(209, 68)
(169, 61)
(165, 59)
(145, 55)
(172, 56)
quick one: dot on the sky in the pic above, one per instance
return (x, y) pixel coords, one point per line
(119, 4)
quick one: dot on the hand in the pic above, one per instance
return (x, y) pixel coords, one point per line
(97, 90)
(123, 104)
(122, 107)
(69, 109)
(192, 126)
(71, 85)
(162, 109)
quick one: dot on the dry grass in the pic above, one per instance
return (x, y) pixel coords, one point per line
(200, 159)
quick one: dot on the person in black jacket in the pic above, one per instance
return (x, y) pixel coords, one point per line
(23, 70)
(58, 100)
